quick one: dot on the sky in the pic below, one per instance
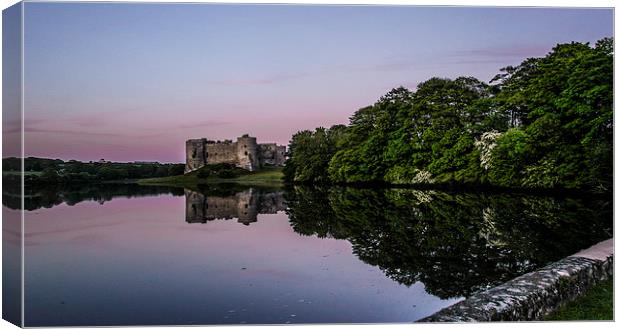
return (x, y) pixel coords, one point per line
(132, 82)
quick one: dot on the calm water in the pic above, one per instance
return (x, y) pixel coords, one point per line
(130, 255)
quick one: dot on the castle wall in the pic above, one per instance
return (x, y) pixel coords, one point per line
(271, 154)
(280, 155)
(223, 152)
(267, 154)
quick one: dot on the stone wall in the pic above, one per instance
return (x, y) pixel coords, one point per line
(536, 294)
(271, 154)
(280, 155)
(222, 152)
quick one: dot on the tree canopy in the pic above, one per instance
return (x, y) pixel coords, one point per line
(545, 123)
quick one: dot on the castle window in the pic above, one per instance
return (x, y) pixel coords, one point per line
(246, 152)
(245, 146)
(194, 153)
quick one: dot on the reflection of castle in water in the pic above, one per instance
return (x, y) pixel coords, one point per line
(244, 205)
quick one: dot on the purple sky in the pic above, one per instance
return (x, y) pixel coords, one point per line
(130, 82)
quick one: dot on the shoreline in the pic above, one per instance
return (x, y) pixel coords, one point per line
(270, 177)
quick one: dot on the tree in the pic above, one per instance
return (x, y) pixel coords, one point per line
(545, 123)
(566, 131)
(365, 144)
(50, 175)
(309, 154)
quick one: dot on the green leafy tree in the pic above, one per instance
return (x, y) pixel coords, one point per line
(566, 131)
(545, 123)
(309, 154)
(363, 157)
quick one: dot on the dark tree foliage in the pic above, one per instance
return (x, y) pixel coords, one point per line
(220, 170)
(545, 123)
(361, 155)
(565, 135)
(310, 153)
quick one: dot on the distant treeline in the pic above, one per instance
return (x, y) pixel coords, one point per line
(546, 123)
(55, 171)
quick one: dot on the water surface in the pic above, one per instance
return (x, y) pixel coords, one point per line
(131, 255)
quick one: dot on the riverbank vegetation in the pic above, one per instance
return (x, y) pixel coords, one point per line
(221, 174)
(546, 123)
(597, 303)
(41, 171)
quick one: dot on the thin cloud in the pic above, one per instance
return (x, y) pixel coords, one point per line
(203, 124)
(504, 52)
(476, 61)
(261, 81)
(15, 126)
(469, 56)
(89, 121)
(89, 133)
(67, 132)
(416, 64)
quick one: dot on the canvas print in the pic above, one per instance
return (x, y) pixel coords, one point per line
(230, 164)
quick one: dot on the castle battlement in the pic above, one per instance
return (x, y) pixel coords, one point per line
(244, 153)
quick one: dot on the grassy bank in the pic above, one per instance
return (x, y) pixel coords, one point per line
(596, 304)
(26, 173)
(270, 177)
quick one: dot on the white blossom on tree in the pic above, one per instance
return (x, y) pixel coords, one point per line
(486, 144)
(423, 177)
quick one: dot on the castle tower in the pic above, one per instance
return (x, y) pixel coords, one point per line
(247, 153)
(195, 154)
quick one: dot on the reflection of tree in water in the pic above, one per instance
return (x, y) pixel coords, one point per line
(456, 244)
(55, 195)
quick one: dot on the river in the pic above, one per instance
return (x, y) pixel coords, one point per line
(139, 255)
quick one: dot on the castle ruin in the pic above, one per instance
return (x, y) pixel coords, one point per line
(244, 153)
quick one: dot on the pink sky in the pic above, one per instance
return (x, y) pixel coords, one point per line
(132, 82)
